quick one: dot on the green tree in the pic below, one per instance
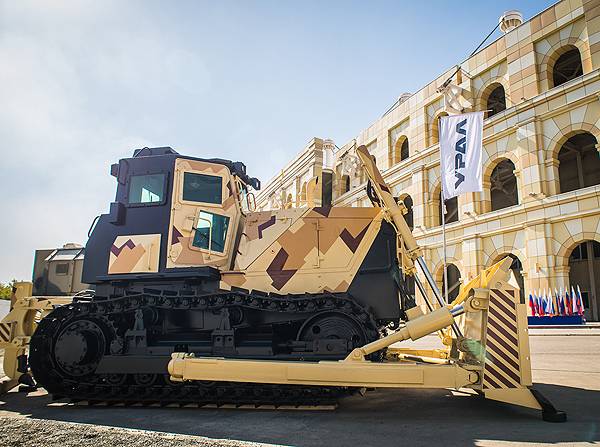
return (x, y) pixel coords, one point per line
(6, 289)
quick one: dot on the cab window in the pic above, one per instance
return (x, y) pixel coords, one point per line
(202, 188)
(213, 226)
(146, 188)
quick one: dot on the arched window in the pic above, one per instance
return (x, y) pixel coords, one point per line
(584, 271)
(345, 184)
(399, 152)
(453, 282)
(496, 100)
(451, 210)
(408, 203)
(404, 152)
(503, 188)
(435, 128)
(579, 163)
(568, 66)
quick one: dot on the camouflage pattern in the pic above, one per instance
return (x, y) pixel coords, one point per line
(134, 254)
(303, 250)
(296, 250)
(260, 230)
(184, 217)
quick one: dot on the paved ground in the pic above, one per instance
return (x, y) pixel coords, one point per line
(4, 306)
(567, 369)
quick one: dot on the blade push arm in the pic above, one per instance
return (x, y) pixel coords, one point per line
(409, 249)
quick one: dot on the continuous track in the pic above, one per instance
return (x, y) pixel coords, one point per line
(148, 389)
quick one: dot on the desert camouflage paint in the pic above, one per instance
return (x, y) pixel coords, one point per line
(297, 250)
(134, 254)
(185, 214)
(303, 250)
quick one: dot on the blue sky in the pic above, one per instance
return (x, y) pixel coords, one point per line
(83, 83)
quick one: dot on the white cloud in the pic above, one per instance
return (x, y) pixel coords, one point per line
(75, 79)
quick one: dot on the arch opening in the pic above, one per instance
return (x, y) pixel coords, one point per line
(584, 271)
(496, 100)
(451, 214)
(400, 151)
(503, 186)
(579, 163)
(454, 281)
(568, 66)
(435, 128)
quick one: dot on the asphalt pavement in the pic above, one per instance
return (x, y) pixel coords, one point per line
(566, 368)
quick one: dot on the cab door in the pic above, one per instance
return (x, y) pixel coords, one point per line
(204, 215)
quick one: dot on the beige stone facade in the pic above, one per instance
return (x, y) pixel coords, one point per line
(541, 165)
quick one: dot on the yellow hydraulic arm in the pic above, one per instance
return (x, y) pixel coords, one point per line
(16, 329)
(409, 251)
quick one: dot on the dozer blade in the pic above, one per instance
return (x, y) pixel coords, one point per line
(493, 356)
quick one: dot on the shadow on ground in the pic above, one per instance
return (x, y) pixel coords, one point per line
(381, 418)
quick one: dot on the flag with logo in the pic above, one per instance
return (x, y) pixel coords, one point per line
(461, 139)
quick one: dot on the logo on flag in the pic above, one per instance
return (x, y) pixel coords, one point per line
(460, 153)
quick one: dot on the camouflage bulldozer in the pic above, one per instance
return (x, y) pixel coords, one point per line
(200, 299)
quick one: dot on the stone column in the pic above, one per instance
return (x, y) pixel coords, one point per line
(592, 19)
(537, 253)
(529, 176)
(419, 183)
(472, 257)
(552, 178)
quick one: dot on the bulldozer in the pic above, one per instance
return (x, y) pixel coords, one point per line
(199, 299)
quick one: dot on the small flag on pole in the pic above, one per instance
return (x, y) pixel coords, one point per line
(575, 307)
(461, 139)
(532, 305)
(561, 302)
(580, 305)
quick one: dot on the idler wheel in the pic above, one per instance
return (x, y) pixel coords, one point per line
(334, 327)
(79, 347)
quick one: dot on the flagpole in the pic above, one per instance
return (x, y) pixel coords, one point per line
(444, 242)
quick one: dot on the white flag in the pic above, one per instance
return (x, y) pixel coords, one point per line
(460, 147)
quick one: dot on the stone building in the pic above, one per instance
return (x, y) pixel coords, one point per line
(539, 84)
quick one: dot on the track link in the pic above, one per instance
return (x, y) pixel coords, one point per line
(98, 389)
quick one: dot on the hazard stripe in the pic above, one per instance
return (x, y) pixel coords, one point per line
(496, 361)
(488, 382)
(502, 369)
(507, 332)
(512, 359)
(5, 331)
(501, 318)
(500, 377)
(505, 298)
(507, 311)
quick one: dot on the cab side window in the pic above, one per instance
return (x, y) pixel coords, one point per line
(146, 188)
(202, 188)
(211, 231)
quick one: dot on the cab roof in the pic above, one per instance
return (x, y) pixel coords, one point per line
(236, 167)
